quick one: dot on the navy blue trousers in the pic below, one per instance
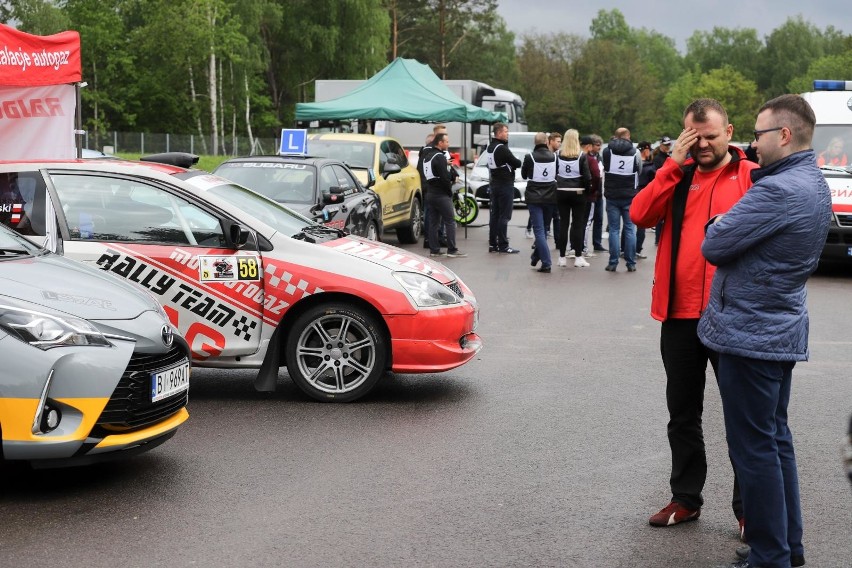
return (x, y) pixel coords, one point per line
(755, 395)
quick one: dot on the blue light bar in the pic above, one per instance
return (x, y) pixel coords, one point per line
(823, 85)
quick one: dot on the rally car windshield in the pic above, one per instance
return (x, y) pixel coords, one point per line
(270, 212)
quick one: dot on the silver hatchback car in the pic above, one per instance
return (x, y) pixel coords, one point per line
(92, 368)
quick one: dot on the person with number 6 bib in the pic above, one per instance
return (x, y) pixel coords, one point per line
(539, 168)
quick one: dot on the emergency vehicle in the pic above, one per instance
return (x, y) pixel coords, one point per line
(832, 143)
(247, 281)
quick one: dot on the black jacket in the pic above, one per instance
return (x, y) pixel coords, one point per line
(620, 155)
(541, 189)
(505, 163)
(441, 181)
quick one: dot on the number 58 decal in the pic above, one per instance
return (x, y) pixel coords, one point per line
(228, 268)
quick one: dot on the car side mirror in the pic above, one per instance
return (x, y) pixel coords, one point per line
(332, 196)
(391, 168)
(371, 178)
(236, 235)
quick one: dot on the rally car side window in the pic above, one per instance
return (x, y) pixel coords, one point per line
(22, 204)
(344, 180)
(130, 210)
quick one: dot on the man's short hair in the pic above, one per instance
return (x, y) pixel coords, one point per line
(586, 140)
(622, 133)
(699, 107)
(439, 137)
(497, 127)
(795, 113)
(540, 138)
(438, 127)
(554, 136)
(596, 139)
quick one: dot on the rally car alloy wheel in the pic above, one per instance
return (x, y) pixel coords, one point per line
(336, 352)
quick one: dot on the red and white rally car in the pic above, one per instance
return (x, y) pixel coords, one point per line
(247, 281)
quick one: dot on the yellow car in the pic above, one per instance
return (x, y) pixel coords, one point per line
(397, 180)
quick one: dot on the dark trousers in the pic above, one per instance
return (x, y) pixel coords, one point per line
(502, 200)
(441, 214)
(427, 220)
(685, 360)
(755, 395)
(572, 221)
(597, 224)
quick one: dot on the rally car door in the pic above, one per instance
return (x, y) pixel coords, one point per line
(174, 247)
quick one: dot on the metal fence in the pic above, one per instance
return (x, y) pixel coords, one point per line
(153, 143)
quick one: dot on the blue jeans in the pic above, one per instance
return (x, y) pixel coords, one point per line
(618, 210)
(755, 395)
(538, 213)
(502, 200)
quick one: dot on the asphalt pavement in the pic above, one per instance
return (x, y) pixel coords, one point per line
(548, 449)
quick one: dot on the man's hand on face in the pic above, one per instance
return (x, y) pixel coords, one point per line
(680, 149)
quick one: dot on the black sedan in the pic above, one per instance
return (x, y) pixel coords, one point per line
(319, 188)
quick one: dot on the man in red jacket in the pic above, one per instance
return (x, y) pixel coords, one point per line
(703, 177)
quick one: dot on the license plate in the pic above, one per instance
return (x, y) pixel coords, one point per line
(169, 381)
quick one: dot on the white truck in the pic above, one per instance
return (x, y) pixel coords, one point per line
(412, 135)
(832, 104)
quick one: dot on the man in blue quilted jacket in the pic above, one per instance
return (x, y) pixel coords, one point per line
(757, 321)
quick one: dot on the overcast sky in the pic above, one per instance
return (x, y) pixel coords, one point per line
(676, 19)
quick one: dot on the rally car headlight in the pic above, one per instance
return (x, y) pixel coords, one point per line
(47, 331)
(426, 292)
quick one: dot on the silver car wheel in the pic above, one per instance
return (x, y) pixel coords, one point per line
(336, 354)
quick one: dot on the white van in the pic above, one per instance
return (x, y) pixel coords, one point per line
(832, 104)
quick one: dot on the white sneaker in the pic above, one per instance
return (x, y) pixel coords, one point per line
(590, 254)
(580, 262)
(562, 261)
(641, 255)
(529, 234)
(570, 254)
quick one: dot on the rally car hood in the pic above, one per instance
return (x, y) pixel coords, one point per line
(391, 257)
(62, 285)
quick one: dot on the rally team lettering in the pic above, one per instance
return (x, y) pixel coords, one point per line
(185, 297)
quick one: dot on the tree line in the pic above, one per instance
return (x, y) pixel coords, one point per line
(227, 68)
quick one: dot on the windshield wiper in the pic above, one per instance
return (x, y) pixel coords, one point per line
(5, 251)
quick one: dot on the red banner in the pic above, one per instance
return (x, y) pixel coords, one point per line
(28, 60)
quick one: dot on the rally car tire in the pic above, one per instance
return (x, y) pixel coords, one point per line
(410, 234)
(372, 233)
(336, 352)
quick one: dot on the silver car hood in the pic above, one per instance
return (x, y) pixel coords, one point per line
(67, 286)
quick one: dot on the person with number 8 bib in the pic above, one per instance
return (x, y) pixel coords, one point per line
(573, 183)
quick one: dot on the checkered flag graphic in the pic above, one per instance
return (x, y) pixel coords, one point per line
(243, 327)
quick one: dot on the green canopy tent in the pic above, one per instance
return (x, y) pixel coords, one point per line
(404, 91)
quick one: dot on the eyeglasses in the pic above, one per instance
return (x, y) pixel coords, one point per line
(757, 133)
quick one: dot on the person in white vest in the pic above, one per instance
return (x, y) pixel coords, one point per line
(539, 169)
(622, 165)
(573, 185)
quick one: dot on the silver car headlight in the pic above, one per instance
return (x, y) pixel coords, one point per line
(426, 292)
(46, 331)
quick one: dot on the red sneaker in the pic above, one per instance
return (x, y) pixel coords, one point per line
(672, 514)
